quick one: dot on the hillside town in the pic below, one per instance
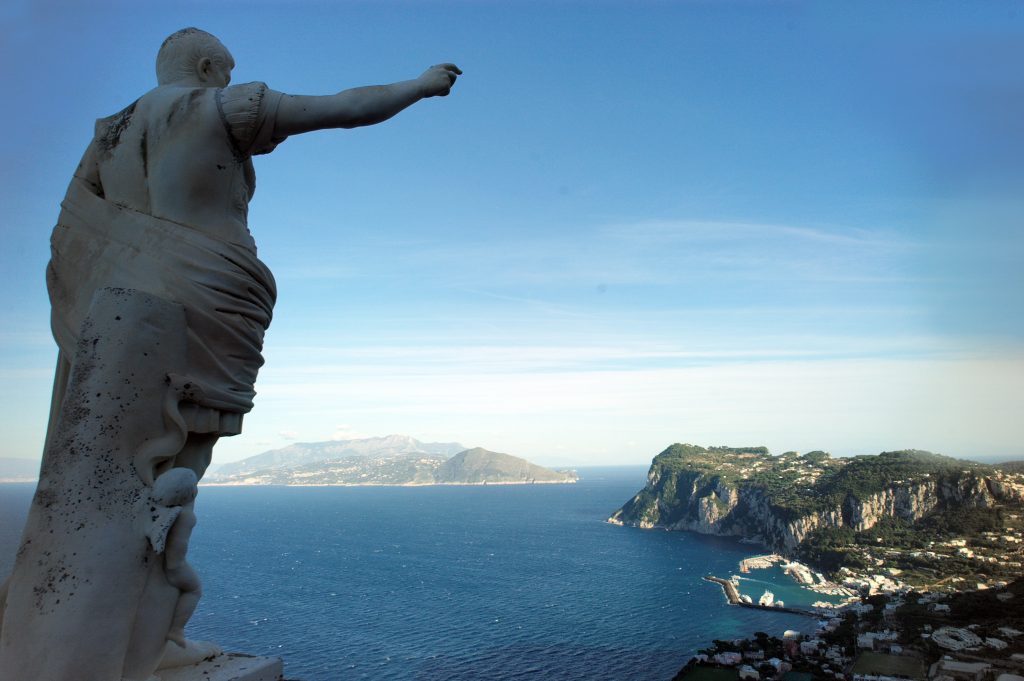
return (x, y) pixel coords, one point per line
(889, 632)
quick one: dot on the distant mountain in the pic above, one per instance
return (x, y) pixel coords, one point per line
(305, 453)
(18, 470)
(392, 460)
(482, 466)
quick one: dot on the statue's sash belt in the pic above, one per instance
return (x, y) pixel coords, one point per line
(227, 292)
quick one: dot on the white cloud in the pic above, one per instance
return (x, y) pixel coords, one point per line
(962, 407)
(346, 432)
(623, 352)
(665, 252)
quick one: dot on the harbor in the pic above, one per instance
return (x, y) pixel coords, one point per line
(799, 573)
(732, 594)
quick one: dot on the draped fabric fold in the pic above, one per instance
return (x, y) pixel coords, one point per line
(227, 292)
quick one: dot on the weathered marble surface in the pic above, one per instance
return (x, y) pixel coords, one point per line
(86, 575)
(159, 308)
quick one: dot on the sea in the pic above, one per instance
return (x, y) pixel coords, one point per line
(457, 582)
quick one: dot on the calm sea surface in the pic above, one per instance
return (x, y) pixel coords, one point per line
(452, 583)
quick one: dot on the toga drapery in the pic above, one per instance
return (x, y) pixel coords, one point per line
(227, 292)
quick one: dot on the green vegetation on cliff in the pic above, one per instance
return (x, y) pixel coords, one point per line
(792, 485)
(861, 476)
(683, 472)
(834, 547)
(832, 512)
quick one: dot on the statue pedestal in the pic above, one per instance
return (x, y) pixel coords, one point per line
(228, 667)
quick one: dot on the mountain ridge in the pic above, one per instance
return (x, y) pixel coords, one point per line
(479, 465)
(391, 460)
(305, 453)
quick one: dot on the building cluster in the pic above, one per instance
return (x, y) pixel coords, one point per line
(954, 563)
(872, 584)
(962, 636)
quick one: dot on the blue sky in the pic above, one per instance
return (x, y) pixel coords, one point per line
(631, 224)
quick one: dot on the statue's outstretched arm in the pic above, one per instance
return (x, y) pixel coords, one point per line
(362, 105)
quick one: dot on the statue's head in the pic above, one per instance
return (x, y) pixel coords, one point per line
(194, 56)
(175, 487)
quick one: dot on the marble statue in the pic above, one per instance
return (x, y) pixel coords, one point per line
(159, 306)
(175, 491)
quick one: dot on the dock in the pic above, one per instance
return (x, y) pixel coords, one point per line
(732, 594)
(760, 562)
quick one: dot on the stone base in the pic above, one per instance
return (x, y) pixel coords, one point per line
(228, 667)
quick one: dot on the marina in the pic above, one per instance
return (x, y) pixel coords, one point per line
(799, 573)
(732, 594)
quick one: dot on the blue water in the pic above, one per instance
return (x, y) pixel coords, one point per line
(784, 588)
(452, 583)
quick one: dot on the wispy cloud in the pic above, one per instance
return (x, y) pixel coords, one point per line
(666, 231)
(344, 431)
(313, 272)
(849, 406)
(306, 363)
(540, 304)
(666, 252)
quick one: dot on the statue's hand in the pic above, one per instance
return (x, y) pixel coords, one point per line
(437, 81)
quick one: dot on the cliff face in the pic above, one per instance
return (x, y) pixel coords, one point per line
(781, 500)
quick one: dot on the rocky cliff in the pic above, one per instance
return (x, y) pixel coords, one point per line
(782, 500)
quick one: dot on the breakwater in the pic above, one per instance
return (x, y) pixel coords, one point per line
(732, 594)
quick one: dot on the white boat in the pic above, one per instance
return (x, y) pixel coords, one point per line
(767, 598)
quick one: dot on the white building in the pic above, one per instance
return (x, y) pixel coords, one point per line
(964, 671)
(866, 641)
(728, 659)
(810, 646)
(954, 638)
(748, 672)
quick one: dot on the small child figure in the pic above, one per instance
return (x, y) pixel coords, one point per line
(173, 520)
